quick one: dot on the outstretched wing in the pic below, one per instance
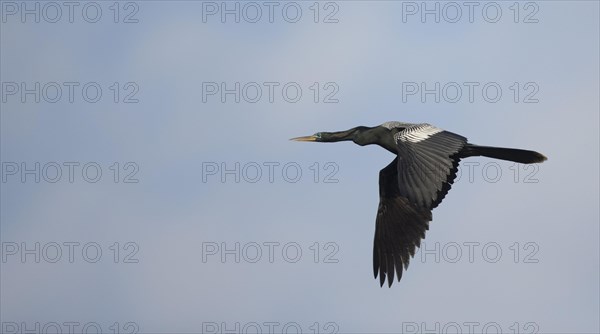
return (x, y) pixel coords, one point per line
(427, 163)
(400, 226)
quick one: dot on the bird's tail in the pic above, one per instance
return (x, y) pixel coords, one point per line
(510, 154)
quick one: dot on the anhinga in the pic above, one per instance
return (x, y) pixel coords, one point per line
(414, 183)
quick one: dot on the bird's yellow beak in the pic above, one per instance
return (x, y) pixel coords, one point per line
(305, 138)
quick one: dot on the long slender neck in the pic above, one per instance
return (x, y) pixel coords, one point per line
(333, 137)
(363, 135)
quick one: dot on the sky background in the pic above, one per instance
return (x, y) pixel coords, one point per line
(172, 228)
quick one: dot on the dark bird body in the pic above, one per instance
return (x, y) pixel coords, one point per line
(414, 183)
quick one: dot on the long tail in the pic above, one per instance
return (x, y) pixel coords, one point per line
(510, 154)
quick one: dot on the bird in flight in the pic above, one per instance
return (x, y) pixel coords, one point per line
(414, 183)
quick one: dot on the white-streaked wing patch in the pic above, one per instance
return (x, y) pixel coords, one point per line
(417, 133)
(393, 124)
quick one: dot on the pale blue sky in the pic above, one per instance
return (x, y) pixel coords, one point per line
(170, 133)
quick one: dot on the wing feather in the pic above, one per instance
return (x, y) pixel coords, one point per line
(409, 188)
(400, 226)
(427, 163)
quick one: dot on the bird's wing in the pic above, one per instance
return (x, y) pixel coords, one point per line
(400, 226)
(427, 163)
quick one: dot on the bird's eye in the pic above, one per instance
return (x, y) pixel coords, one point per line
(318, 135)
